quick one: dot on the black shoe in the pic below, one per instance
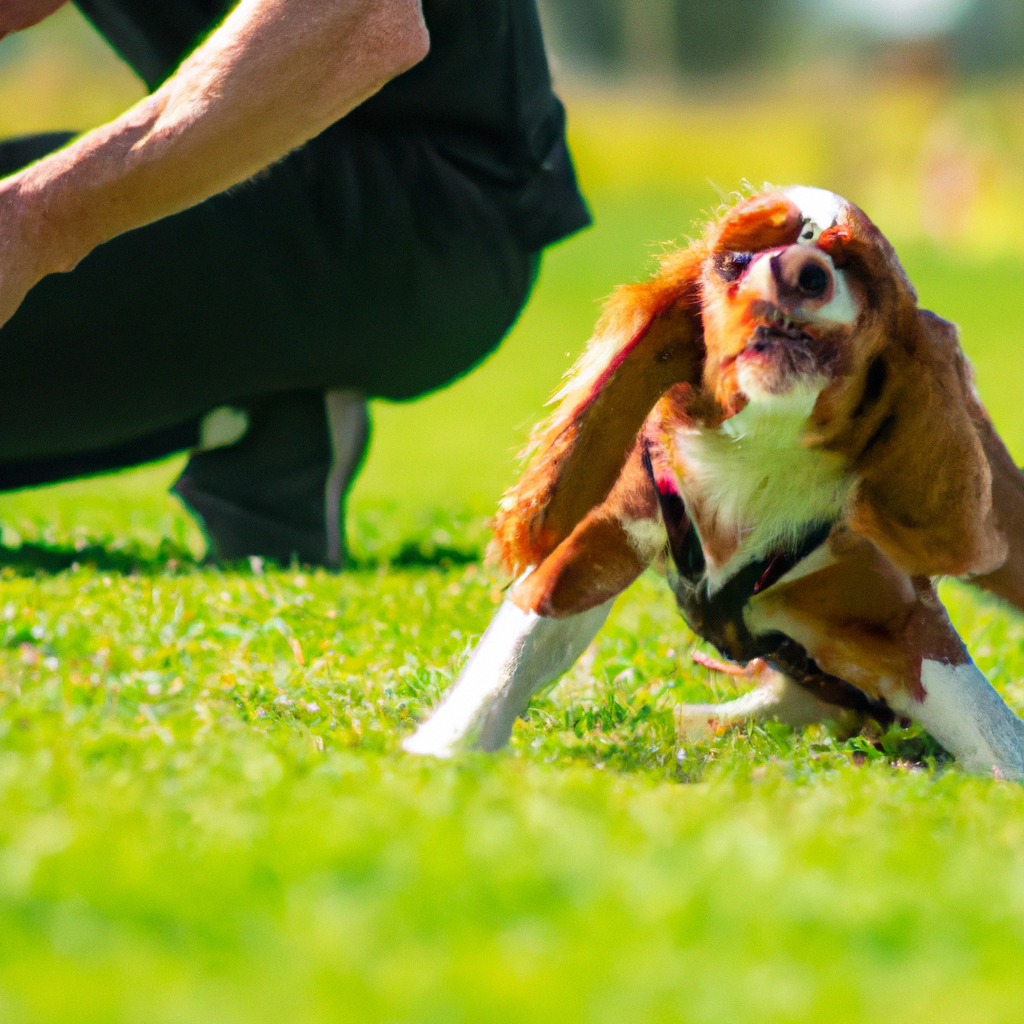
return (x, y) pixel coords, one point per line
(278, 492)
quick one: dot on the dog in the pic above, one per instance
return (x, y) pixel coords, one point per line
(773, 413)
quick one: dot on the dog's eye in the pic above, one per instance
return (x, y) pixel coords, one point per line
(729, 265)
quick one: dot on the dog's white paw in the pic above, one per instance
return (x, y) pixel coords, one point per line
(429, 742)
(696, 722)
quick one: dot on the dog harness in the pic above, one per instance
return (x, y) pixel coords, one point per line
(718, 616)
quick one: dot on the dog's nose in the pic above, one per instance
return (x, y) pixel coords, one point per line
(802, 276)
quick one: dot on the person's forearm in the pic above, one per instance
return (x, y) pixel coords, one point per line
(276, 73)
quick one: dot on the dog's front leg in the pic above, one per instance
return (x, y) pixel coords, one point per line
(548, 620)
(519, 653)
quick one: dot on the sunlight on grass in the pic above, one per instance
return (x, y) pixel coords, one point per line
(205, 818)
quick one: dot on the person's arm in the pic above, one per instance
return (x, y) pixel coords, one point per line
(276, 73)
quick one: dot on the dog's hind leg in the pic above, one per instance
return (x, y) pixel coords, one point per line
(548, 620)
(775, 697)
(864, 621)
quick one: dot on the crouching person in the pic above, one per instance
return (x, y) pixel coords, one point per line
(325, 201)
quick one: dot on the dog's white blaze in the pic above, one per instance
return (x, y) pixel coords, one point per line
(755, 475)
(962, 710)
(820, 208)
(646, 536)
(518, 654)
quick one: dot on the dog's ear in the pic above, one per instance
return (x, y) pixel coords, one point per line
(649, 338)
(925, 480)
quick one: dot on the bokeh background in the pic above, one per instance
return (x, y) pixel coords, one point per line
(914, 109)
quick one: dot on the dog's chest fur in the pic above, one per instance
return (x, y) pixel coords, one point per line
(752, 487)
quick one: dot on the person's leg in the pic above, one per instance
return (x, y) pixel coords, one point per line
(363, 265)
(279, 491)
(366, 263)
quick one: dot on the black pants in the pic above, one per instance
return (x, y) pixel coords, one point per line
(367, 261)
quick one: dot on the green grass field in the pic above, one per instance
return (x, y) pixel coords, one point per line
(204, 812)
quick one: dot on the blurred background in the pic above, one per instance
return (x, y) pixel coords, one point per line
(914, 109)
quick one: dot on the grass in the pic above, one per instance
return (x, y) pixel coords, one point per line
(204, 814)
(205, 818)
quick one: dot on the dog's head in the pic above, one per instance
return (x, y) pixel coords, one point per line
(794, 292)
(799, 292)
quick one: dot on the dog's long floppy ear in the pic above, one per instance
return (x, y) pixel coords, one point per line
(1007, 515)
(926, 480)
(648, 338)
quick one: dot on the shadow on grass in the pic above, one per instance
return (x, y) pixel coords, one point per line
(31, 559)
(416, 555)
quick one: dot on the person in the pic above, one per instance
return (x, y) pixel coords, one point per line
(319, 202)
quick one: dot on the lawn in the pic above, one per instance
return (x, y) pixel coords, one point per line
(204, 812)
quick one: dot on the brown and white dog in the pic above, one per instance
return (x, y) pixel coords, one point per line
(774, 409)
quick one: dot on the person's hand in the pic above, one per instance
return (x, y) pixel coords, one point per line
(18, 14)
